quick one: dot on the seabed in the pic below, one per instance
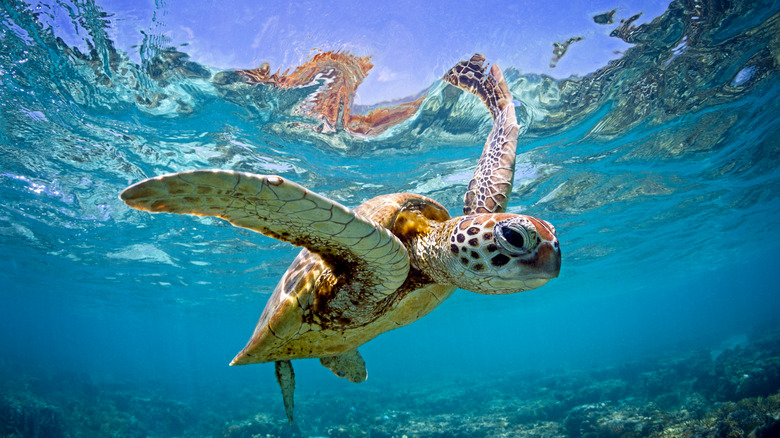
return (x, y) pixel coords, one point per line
(732, 392)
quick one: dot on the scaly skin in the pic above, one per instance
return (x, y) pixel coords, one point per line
(491, 185)
(285, 211)
(463, 252)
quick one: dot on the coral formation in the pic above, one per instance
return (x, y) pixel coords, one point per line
(733, 392)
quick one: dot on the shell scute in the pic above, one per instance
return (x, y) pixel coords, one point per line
(340, 312)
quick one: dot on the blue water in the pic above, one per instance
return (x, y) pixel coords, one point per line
(659, 171)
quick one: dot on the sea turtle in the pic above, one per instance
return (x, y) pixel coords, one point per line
(382, 265)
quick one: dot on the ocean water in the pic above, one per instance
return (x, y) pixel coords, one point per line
(659, 169)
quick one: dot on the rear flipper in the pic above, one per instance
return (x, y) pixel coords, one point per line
(349, 365)
(286, 378)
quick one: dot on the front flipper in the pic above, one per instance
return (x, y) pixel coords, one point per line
(286, 378)
(491, 185)
(377, 261)
(349, 365)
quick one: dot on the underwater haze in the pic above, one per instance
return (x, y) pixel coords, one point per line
(651, 140)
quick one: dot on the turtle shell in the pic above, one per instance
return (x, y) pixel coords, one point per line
(313, 311)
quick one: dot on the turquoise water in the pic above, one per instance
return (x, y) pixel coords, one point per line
(659, 171)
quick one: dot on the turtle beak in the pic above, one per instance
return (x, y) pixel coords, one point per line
(549, 258)
(548, 254)
(531, 273)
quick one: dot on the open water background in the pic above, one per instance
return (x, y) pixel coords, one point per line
(659, 171)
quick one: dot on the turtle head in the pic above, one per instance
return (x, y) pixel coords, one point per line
(502, 253)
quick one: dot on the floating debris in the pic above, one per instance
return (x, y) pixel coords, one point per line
(559, 49)
(605, 18)
(627, 31)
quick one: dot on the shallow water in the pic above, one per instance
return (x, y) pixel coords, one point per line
(659, 171)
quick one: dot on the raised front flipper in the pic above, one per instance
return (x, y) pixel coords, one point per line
(491, 185)
(349, 365)
(376, 259)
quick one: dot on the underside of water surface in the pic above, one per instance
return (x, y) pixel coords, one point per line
(658, 169)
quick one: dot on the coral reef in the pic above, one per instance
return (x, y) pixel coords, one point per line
(22, 416)
(732, 392)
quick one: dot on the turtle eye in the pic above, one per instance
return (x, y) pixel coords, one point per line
(515, 238)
